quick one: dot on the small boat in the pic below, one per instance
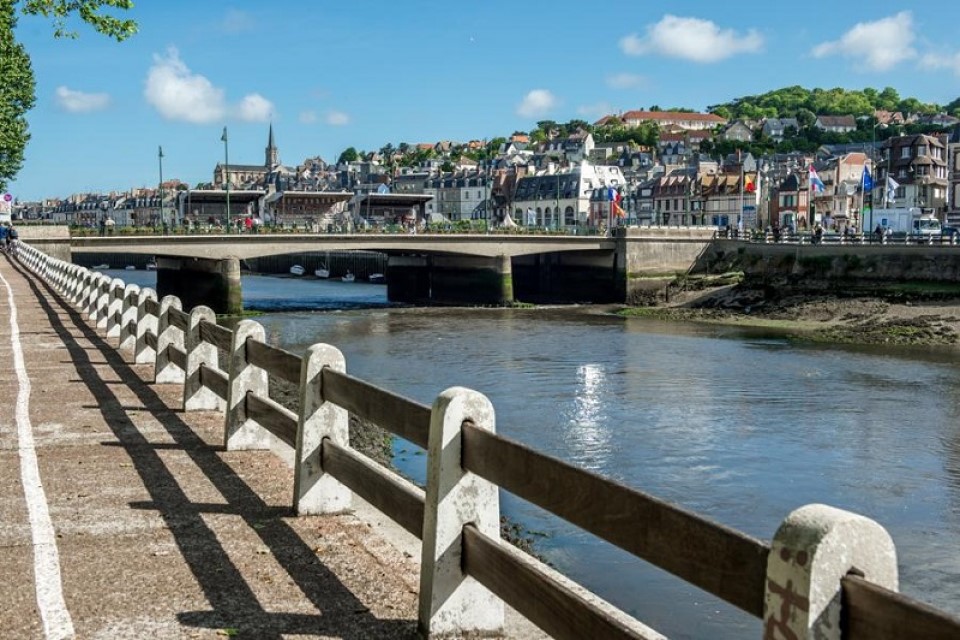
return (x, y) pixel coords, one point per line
(348, 277)
(322, 272)
(377, 278)
(151, 266)
(101, 267)
(130, 267)
(297, 270)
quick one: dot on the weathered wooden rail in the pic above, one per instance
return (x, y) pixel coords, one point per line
(827, 573)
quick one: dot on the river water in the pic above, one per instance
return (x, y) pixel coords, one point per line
(740, 426)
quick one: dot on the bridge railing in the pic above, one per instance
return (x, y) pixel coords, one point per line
(827, 573)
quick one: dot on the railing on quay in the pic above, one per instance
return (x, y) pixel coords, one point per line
(842, 239)
(827, 573)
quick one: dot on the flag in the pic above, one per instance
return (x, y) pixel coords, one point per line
(816, 184)
(618, 210)
(892, 186)
(223, 138)
(613, 195)
(867, 180)
(748, 184)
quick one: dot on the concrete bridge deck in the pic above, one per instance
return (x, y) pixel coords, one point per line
(139, 524)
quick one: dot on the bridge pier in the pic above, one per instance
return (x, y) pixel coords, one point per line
(450, 279)
(214, 283)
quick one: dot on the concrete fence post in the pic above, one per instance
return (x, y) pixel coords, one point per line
(314, 491)
(92, 301)
(197, 397)
(75, 277)
(143, 353)
(452, 603)
(103, 301)
(812, 550)
(128, 317)
(114, 308)
(166, 372)
(240, 432)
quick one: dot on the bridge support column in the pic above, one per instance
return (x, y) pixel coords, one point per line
(450, 279)
(202, 281)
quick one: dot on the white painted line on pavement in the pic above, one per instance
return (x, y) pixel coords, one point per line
(57, 624)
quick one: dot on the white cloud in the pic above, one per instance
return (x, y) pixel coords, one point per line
(236, 21)
(337, 118)
(536, 103)
(254, 108)
(691, 39)
(597, 110)
(876, 46)
(308, 117)
(942, 61)
(179, 94)
(80, 102)
(626, 81)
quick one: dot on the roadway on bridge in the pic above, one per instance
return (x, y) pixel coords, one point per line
(123, 517)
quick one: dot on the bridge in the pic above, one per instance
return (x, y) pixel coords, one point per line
(473, 268)
(157, 453)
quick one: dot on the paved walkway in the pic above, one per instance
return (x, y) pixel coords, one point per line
(123, 517)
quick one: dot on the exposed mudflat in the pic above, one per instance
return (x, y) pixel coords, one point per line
(836, 318)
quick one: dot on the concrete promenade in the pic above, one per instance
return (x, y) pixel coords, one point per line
(123, 517)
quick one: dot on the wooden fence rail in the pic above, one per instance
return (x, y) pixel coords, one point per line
(826, 574)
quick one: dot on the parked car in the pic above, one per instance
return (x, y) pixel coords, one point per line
(950, 233)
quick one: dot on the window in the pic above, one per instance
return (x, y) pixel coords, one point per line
(905, 152)
(901, 192)
(921, 151)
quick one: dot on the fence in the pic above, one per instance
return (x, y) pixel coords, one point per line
(827, 573)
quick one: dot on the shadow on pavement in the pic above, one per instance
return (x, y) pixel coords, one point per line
(232, 600)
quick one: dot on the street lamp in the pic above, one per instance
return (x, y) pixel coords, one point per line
(160, 160)
(226, 174)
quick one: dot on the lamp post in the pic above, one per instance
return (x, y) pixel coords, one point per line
(160, 160)
(226, 174)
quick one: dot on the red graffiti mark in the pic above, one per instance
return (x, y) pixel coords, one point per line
(778, 627)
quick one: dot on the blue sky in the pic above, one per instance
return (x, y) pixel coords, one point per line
(332, 75)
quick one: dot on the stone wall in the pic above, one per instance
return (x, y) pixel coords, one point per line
(866, 266)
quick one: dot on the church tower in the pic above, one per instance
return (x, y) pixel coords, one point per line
(272, 155)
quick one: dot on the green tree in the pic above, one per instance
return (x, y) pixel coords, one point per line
(17, 96)
(17, 86)
(349, 155)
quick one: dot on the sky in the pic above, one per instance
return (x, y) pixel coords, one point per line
(333, 75)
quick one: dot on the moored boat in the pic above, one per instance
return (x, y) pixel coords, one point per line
(297, 270)
(101, 267)
(348, 277)
(377, 278)
(151, 266)
(322, 272)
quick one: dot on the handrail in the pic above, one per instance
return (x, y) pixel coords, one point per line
(215, 380)
(273, 417)
(179, 319)
(722, 561)
(216, 335)
(387, 491)
(875, 613)
(561, 608)
(278, 362)
(403, 417)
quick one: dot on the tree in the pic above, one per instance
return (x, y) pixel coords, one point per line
(17, 96)
(349, 155)
(17, 86)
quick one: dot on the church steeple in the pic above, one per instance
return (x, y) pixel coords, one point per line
(272, 155)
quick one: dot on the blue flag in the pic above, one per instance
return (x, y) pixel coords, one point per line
(867, 180)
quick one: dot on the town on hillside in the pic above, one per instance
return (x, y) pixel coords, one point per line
(641, 167)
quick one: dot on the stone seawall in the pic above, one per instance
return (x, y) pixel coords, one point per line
(869, 265)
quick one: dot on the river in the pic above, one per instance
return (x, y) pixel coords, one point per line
(741, 426)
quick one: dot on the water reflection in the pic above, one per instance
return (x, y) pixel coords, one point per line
(587, 422)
